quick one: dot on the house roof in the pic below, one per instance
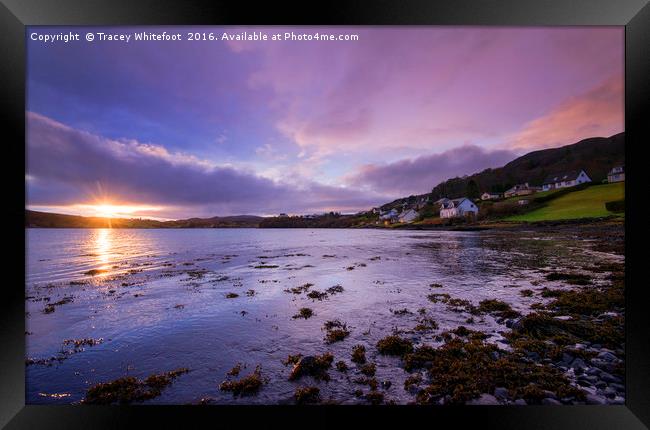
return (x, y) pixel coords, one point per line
(617, 169)
(559, 177)
(519, 187)
(453, 203)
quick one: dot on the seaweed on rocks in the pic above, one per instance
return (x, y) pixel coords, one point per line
(247, 385)
(130, 389)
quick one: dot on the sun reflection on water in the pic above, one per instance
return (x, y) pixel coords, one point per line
(103, 245)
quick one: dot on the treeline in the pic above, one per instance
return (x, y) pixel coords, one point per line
(331, 220)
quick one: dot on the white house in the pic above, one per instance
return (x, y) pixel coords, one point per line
(490, 196)
(389, 216)
(458, 208)
(617, 174)
(565, 180)
(408, 216)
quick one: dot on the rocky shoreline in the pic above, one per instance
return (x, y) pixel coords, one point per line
(553, 337)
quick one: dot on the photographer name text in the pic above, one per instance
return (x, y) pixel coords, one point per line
(165, 36)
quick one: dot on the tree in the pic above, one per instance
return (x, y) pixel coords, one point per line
(472, 190)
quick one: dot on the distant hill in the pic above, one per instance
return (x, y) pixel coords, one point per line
(596, 155)
(52, 220)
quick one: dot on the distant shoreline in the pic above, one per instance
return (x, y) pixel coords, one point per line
(480, 226)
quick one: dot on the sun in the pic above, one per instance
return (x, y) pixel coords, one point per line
(110, 211)
(113, 210)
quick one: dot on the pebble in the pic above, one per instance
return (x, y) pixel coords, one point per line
(549, 401)
(520, 402)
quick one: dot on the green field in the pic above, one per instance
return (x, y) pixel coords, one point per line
(588, 203)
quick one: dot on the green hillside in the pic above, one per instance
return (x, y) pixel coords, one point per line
(595, 155)
(587, 203)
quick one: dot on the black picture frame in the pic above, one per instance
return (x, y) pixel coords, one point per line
(16, 14)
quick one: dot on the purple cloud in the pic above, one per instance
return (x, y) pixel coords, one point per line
(421, 174)
(68, 166)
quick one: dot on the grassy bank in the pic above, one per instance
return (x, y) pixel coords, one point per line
(587, 203)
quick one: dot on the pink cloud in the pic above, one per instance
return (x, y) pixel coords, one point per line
(405, 91)
(598, 112)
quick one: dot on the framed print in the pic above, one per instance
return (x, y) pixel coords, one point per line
(364, 212)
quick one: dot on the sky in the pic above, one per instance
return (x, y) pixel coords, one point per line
(176, 129)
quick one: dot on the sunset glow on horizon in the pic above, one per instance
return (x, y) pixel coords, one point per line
(180, 130)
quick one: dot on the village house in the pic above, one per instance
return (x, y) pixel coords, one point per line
(408, 216)
(617, 174)
(521, 190)
(565, 180)
(390, 216)
(441, 201)
(458, 208)
(490, 196)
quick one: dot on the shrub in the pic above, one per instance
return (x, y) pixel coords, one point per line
(616, 206)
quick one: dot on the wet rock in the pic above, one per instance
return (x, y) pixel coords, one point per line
(484, 399)
(386, 385)
(600, 384)
(609, 392)
(607, 356)
(549, 401)
(590, 378)
(578, 363)
(517, 325)
(549, 394)
(315, 366)
(520, 402)
(533, 355)
(501, 393)
(618, 387)
(610, 378)
(604, 365)
(593, 371)
(593, 399)
(584, 383)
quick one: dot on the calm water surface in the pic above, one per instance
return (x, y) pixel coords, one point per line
(159, 301)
